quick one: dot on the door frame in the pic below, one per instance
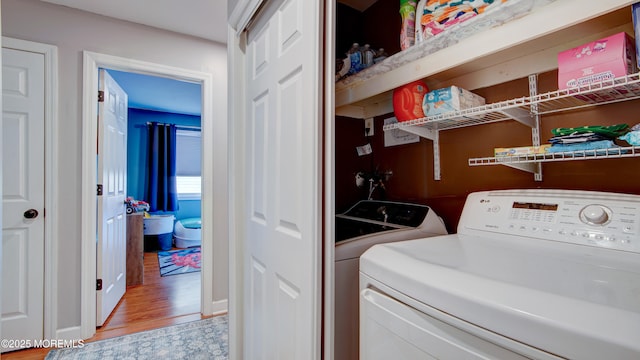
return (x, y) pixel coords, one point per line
(50, 53)
(91, 62)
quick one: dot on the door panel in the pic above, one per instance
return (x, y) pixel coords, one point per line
(23, 189)
(112, 175)
(282, 209)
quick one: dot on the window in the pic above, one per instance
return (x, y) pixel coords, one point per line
(188, 163)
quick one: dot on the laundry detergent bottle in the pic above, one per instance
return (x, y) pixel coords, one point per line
(407, 100)
(408, 29)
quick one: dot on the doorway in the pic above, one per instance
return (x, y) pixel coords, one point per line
(210, 230)
(164, 101)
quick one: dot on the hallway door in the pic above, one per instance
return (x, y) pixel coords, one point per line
(112, 190)
(23, 96)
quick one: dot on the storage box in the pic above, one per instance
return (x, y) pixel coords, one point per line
(158, 232)
(600, 60)
(521, 151)
(449, 99)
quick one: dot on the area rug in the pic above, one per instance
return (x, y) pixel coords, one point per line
(182, 261)
(206, 339)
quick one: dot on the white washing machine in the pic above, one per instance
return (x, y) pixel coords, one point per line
(367, 223)
(541, 274)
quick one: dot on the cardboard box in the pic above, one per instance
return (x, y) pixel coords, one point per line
(521, 151)
(449, 99)
(600, 60)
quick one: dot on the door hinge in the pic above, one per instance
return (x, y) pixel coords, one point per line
(99, 189)
(100, 96)
(98, 284)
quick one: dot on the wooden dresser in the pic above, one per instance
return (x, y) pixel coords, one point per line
(135, 249)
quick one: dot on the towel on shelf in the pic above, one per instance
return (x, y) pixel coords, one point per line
(438, 15)
(577, 138)
(602, 147)
(610, 131)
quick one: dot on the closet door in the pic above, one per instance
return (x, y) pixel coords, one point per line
(280, 181)
(23, 197)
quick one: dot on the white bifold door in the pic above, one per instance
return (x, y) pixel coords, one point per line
(281, 211)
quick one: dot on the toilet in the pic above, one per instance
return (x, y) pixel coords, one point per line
(187, 232)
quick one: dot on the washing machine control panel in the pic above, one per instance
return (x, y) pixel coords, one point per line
(580, 217)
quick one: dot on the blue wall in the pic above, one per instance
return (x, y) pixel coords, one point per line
(136, 154)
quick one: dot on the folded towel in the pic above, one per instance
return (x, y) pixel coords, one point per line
(438, 15)
(603, 147)
(611, 131)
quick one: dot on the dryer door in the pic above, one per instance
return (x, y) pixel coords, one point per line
(390, 329)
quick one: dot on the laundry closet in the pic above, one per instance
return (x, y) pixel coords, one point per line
(451, 158)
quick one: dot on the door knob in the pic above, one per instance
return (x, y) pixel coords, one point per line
(31, 214)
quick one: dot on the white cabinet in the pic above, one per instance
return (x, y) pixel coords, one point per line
(507, 50)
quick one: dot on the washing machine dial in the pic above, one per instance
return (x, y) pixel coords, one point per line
(595, 215)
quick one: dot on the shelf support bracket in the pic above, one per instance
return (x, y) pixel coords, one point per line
(535, 129)
(520, 115)
(433, 135)
(528, 167)
(421, 131)
(436, 156)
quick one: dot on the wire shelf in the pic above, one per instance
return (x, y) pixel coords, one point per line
(610, 153)
(522, 109)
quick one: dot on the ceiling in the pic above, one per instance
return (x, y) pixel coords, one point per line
(160, 94)
(201, 18)
(205, 19)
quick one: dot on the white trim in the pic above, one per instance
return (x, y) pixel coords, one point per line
(50, 54)
(235, 60)
(243, 14)
(219, 307)
(91, 62)
(328, 248)
(70, 333)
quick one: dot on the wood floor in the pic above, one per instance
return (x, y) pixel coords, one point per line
(159, 302)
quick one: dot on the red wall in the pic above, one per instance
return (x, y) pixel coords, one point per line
(412, 164)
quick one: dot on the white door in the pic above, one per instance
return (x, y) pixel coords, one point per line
(23, 195)
(282, 210)
(112, 189)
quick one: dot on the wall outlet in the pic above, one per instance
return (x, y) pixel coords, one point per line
(368, 127)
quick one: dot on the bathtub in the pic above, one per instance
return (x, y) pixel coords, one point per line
(186, 232)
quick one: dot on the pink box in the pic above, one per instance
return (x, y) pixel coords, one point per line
(603, 59)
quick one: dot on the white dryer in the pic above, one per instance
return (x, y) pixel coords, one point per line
(531, 274)
(365, 224)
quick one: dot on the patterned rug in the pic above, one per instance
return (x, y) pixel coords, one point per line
(176, 262)
(206, 339)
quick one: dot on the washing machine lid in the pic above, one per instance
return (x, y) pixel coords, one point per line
(390, 213)
(368, 217)
(570, 300)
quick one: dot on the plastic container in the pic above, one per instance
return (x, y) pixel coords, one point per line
(158, 232)
(408, 29)
(407, 100)
(187, 232)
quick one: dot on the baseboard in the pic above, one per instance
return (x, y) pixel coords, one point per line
(70, 333)
(219, 307)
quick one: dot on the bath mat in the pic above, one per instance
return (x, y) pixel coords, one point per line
(198, 340)
(176, 262)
